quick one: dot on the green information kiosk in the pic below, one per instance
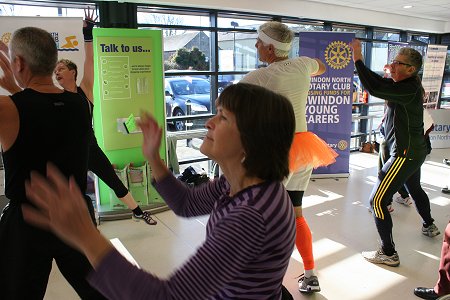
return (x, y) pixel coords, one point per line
(128, 79)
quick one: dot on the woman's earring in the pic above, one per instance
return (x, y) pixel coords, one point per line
(243, 159)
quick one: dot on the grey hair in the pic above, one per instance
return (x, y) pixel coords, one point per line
(414, 58)
(36, 47)
(279, 32)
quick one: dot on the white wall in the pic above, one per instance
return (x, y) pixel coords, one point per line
(314, 10)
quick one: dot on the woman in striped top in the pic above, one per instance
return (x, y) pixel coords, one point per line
(251, 230)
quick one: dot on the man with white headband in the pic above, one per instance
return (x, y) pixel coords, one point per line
(291, 78)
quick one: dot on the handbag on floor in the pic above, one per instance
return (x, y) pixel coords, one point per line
(370, 147)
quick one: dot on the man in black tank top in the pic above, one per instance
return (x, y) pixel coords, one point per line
(38, 125)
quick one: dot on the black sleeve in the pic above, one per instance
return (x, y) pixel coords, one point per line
(400, 92)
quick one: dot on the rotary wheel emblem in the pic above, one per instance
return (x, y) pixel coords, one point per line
(342, 145)
(337, 55)
(6, 37)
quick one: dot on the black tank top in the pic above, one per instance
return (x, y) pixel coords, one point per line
(92, 139)
(53, 128)
(90, 104)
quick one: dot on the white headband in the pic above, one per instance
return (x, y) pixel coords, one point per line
(268, 40)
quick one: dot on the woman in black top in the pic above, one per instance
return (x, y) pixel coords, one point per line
(404, 135)
(66, 75)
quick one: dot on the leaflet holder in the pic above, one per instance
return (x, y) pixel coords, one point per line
(138, 182)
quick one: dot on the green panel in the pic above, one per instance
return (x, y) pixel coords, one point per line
(128, 66)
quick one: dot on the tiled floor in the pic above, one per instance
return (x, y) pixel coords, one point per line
(342, 227)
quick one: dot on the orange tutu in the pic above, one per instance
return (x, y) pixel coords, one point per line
(308, 149)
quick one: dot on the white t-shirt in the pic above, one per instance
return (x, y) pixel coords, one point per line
(290, 78)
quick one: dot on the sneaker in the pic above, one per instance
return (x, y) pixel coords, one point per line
(146, 217)
(390, 208)
(308, 284)
(378, 257)
(446, 161)
(425, 293)
(405, 201)
(430, 231)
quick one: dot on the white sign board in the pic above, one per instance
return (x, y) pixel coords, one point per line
(440, 135)
(67, 32)
(433, 70)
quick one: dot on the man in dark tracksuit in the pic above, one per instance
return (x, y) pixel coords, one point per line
(40, 124)
(405, 137)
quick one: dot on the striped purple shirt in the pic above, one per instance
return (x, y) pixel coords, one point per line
(249, 240)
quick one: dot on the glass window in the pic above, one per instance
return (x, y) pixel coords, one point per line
(447, 62)
(224, 80)
(305, 27)
(379, 56)
(69, 10)
(186, 50)
(25, 10)
(359, 32)
(425, 39)
(182, 18)
(225, 21)
(295, 47)
(237, 51)
(387, 36)
(445, 93)
(187, 96)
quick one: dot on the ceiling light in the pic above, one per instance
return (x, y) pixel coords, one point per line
(408, 6)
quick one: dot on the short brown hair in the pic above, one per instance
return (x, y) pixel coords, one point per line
(70, 65)
(414, 58)
(266, 123)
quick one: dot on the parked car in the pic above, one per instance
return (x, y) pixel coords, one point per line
(224, 81)
(179, 90)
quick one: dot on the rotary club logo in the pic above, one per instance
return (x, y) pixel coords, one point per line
(6, 37)
(342, 145)
(338, 55)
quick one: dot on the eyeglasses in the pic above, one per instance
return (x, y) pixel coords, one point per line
(396, 62)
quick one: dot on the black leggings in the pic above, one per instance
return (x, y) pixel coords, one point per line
(26, 255)
(100, 165)
(395, 172)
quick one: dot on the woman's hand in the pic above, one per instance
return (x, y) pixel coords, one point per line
(89, 16)
(7, 79)
(88, 24)
(152, 134)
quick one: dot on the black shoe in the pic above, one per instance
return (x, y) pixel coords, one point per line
(445, 190)
(146, 217)
(446, 161)
(425, 293)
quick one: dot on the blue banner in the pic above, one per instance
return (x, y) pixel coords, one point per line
(329, 106)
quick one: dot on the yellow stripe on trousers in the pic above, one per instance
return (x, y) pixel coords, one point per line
(379, 194)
